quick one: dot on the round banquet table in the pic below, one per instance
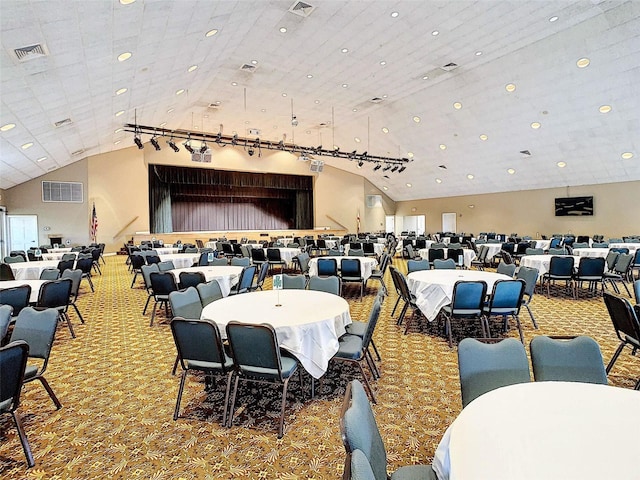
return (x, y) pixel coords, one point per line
(31, 270)
(631, 246)
(367, 264)
(378, 248)
(59, 250)
(181, 260)
(544, 430)
(286, 254)
(34, 284)
(226, 276)
(542, 262)
(308, 323)
(591, 252)
(467, 255)
(56, 255)
(434, 288)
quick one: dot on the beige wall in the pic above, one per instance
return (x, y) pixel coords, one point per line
(531, 212)
(70, 220)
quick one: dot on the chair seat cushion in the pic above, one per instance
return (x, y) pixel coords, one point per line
(200, 365)
(30, 372)
(414, 472)
(357, 328)
(350, 346)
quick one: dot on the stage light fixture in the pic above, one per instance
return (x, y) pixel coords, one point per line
(294, 121)
(138, 142)
(173, 145)
(188, 147)
(250, 151)
(219, 138)
(402, 168)
(360, 164)
(395, 168)
(281, 145)
(386, 167)
(377, 167)
(204, 147)
(234, 139)
(154, 142)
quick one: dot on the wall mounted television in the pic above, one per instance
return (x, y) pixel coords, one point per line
(574, 206)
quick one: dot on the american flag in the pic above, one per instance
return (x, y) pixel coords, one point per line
(358, 222)
(93, 228)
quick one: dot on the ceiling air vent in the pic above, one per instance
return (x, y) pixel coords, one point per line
(62, 123)
(24, 54)
(449, 67)
(247, 67)
(302, 9)
(376, 100)
(525, 152)
(214, 105)
(77, 152)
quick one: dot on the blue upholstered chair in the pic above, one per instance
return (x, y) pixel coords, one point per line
(575, 359)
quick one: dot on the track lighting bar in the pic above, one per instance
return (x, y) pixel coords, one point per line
(399, 164)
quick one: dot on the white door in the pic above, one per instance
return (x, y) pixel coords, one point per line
(390, 224)
(23, 231)
(3, 233)
(449, 222)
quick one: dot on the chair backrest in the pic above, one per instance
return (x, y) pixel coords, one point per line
(591, 267)
(611, 259)
(218, 262)
(273, 255)
(55, 294)
(327, 267)
(209, 292)
(455, 254)
(333, 252)
(557, 251)
(86, 264)
(6, 273)
(623, 316)
(257, 255)
(14, 259)
(50, 274)
(506, 297)
(359, 468)
(570, 360)
(468, 297)
(435, 253)
(165, 266)
(255, 350)
(599, 245)
(623, 264)
(506, 268)
(240, 261)
(580, 245)
(198, 342)
(5, 318)
(561, 266)
(486, 366)
(17, 297)
(417, 265)
(245, 282)
(296, 282)
(191, 279)
(76, 278)
(38, 329)
(163, 283)
(636, 290)
(359, 429)
(356, 252)
(448, 264)
(530, 276)
(303, 260)
(66, 264)
(146, 273)
(13, 362)
(350, 268)
(374, 315)
(534, 251)
(185, 303)
(325, 284)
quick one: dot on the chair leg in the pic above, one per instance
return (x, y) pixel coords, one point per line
(375, 373)
(375, 349)
(23, 439)
(153, 313)
(144, 311)
(284, 403)
(134, 279)
(535, 325)
(615, 357)
(176, 411)
(175, 365)
(49, 390)
(90, 282)
(233, 402)
(78, 312)
(393, 312)
(517, 317)
(62, 316)
(366, 383)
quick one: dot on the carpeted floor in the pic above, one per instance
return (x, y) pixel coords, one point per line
(114, 381)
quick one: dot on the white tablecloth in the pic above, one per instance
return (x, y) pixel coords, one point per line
(543, 244)
(308, 323)
(59, 250)
(494, 249)
(631, 246)
(181, 260)
(367, 264)
(378, 248)
(591, 252)
(468, 255)
(227, 276)
(34, 284)
(434, 288)
(57, 256)
(544, 430)
(286, 254)
(31, 270)
(542, 262)
(166, 250)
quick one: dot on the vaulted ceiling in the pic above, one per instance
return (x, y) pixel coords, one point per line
(484, 96)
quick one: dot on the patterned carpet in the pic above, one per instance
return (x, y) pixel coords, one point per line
(114, 381)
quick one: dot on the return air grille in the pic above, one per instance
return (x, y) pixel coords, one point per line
(62, 192)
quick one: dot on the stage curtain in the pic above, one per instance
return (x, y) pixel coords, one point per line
(159, 204)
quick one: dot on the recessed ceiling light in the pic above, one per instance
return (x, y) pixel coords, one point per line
(471, 206)
(309, 76)
(561, 164)
(118, 130)
(583, 62)
(180, 92)
(234, 84)
(345, 85)
(478, 53)
(354, 110)
(121, 112)
(163, 124)
(126, 2)
(211, 33)
(284, 94)
(627, 155)
(535, 125)
(316, 102)
(409, 185)
(510, 87)
(263, 110)
(192, 68)
(385, 188)
(438, 180)
(553, 19)
(344, 50)
(394, 14)
(283, 30)
(27, 145)
(443, 146)
(435, 32)
(120, 91)
(416, 119)
(511, 171)
(117, 142)
(357, 139)
(605, 108)
(254, 62)
(483, 137)
(7, 126)
(457, 105)
(385, 130)
(385, 96)
(470, 177)
(425, 77)
(41, 159)
(170, 110)
(124, 56)
(383, 63)
(409, 154)
(308, 132)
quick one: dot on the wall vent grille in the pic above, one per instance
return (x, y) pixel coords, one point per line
(67, 192)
